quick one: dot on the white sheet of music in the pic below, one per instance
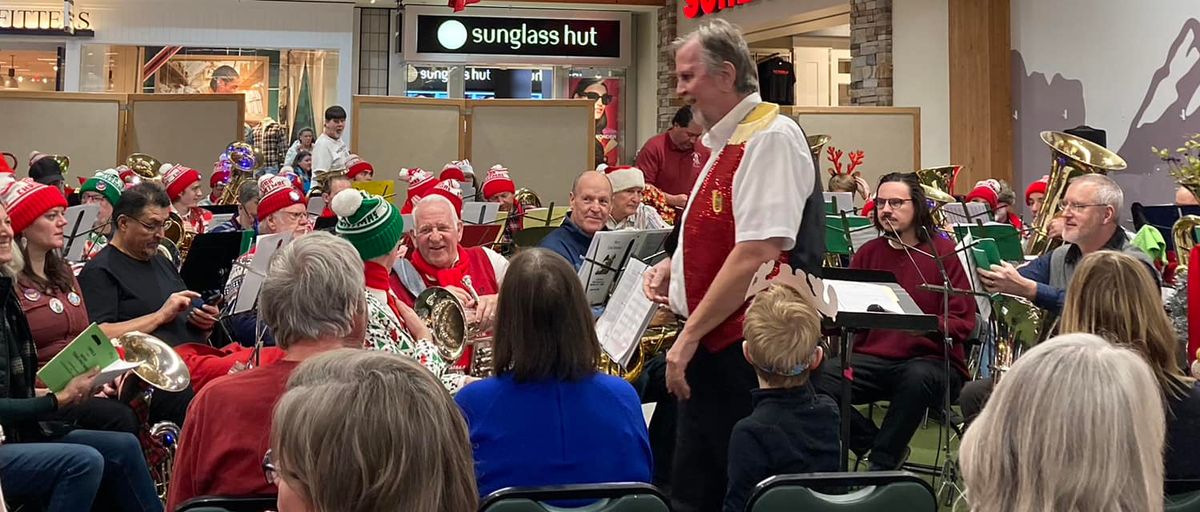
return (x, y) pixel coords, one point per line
(855, 297)
(966, 213)
(480, 213)
(80, 219)
(608, 250)
(843, 201)
(628, 314)
(316, 206)
(252, 281)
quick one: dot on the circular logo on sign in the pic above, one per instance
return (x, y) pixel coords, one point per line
(452, 34)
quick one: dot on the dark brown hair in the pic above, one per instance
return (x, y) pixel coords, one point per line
(544, 327)
(922, 212)
(59, 278)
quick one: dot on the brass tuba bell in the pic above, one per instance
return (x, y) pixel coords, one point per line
(63, 161)
(815, 144)
(1184, 234)
(938, 185)
(159, 365)
(447, 321)
(527, 198)
(145, 166)
(1072, 156)
(244, 160)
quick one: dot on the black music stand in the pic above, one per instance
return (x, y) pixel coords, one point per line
(852, 323)
(209, 261)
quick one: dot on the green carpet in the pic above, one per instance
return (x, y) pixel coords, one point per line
(926, 451)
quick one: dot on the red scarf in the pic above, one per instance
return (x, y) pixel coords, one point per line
(452, 276)
(377, 278)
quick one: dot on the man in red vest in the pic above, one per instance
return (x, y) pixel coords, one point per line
(749, 209)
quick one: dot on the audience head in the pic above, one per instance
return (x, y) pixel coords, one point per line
(372, 224)
(335, 121)
(1090, 210)
(544, 326)
(713, 70)
(437, 231)
(103, 189)
(591, 198)
(901, 206)
(370, 431)
(1185, 197)
(1076, 424)
(685, 131)
(782, 331)
(1134, 317)
(628, 186)
(306, 136)
(842, 182)
(248, 197)
(281, 207)
(314, 292)
(139, 219)
(303, 161)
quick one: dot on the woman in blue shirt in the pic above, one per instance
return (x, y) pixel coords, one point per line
(548, 417)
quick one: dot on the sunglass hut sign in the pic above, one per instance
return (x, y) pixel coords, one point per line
(698, 8)
(519, 36)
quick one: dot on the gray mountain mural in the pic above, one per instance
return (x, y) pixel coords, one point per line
(1040, 104)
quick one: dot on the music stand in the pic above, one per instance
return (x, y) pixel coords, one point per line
(478, 213)
(1162, 217)
(325, 223)
(1007, 238)
(316, 206)
(221, 209)
(475, 235)
(852, 323)
(602, 265)
(966, 213)
(210, 259)
(532, 236)
(80, 222)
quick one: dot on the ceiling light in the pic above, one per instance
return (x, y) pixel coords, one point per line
(20, 79)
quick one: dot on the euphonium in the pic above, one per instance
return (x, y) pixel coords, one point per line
(1072, 156)
(145, 166)
(1020, 326)
(938, 185)
(527, 198)
(178, 235)
(447, 321)
(63, 161)
(244, 161)
(1183, 233)
(658, 337)
(161, 368)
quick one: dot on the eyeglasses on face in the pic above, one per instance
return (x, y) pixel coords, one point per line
(1076, 208)
(153, 228)
(894, 203)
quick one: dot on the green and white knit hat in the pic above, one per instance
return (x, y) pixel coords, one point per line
(107, 183)
(369, 222)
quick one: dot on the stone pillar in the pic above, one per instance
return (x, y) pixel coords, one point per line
(668, 103)
(871, 52)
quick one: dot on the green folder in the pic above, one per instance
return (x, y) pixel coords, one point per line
(837, 232)
(1006, 237)
(91, 349)
(986, 253)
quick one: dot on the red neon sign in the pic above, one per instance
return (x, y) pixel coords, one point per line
(698, 8)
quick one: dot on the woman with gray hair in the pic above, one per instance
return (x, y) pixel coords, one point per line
(312, 299)
(1076, 425)
(369, 431)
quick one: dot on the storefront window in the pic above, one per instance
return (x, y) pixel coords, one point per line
(30, 70)
(479, 83)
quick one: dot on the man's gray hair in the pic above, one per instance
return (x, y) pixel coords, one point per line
(721, 42)
(314, 289)
(248, 192)
(1107, 191)
(430, 200)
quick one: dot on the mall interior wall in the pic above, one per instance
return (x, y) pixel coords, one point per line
(921, 71)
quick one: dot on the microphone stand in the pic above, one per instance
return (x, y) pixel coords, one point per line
(949, 469)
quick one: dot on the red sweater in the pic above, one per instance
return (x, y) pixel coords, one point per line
(878, 254)
(227, 433)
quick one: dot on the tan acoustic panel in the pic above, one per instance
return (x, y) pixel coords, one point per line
(543, 143)
(184, 129)
(889, 137)
(85, 127)
(393, 134)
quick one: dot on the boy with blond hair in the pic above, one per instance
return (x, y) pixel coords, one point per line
(792, 429)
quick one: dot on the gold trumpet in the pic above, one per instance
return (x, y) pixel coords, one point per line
(1072, 156)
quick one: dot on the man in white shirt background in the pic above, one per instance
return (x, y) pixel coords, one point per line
(330, 151)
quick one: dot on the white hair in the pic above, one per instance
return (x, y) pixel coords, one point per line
(430, 200)
(1076, 425)
(313, 289)
(1107, 191)
(721, 42)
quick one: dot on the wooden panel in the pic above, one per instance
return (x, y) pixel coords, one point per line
(888, 136)
(187, 129)
(395, 132)
(84, 126)
(980, 90)
(544, 143)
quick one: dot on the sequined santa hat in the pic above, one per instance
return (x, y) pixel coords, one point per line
(498, 181)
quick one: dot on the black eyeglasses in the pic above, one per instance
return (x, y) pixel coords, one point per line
(894, 203)
(604, 99)
(153, 228)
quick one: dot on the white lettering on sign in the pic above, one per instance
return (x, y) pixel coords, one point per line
(31, 19)
(516, 38)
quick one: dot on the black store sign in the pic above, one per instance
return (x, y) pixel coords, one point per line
(482, 35)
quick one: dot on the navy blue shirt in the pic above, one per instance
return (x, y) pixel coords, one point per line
(1182, 455)
(1052, 298)
(555, 433)
(792, 430)
(568, 241)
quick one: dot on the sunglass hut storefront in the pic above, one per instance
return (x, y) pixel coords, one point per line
(530, 54)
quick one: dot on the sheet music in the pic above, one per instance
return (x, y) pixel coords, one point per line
(409, 224)
(609, 249)
(80, 220)
(628, 314)
(480, 213)
(855, 297)
(220, 218)
(843, 201)
(252, 281)
(651, 243)
(860, 236)
(552, 217)
(316, 205)
(966, 213)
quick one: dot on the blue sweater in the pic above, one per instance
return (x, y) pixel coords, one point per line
(569, 242)
(555, 433)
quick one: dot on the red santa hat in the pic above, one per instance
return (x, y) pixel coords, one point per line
(177, 178)
(27, 200)
(1037, 187)
(450, 190)
(625, 177)
(988, 191)
(498, 181)
(356, 166)
(276, 193)
(5, 167)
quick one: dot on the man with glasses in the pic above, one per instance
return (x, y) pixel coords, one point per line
(103, 189)
(1091, 210)
(246, 218)
(672, 160)
(132, 283)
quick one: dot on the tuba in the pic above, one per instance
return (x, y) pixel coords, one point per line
(244, 160)
(160, 367)
(1020, 325)
(527, 198)
(63, 161)
(938, 185)
(815, 144)
(1072, 156)
(145, 166)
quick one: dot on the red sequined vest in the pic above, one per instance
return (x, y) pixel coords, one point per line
(709, 234)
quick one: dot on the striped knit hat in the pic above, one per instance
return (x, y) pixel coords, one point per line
(177, 178)
(498, 181)
(276, 193)
(107, 183)
(370, 223)
(27, 200)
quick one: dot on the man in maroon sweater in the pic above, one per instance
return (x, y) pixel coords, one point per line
(672, 160)
(907, 369)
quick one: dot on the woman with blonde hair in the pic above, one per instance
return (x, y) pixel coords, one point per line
(367, 431)
(1130, 313)
(1076, 425)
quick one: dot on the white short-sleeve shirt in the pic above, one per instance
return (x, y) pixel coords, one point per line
(770, 188)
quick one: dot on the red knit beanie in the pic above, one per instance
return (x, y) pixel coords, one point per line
(178, 178)
(1037, 187)
(27, 200)
(450, 190)
(984, 190)
(358, 166)
(498, 181)
(276, 193)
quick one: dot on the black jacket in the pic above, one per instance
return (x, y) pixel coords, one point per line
(19, 410)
